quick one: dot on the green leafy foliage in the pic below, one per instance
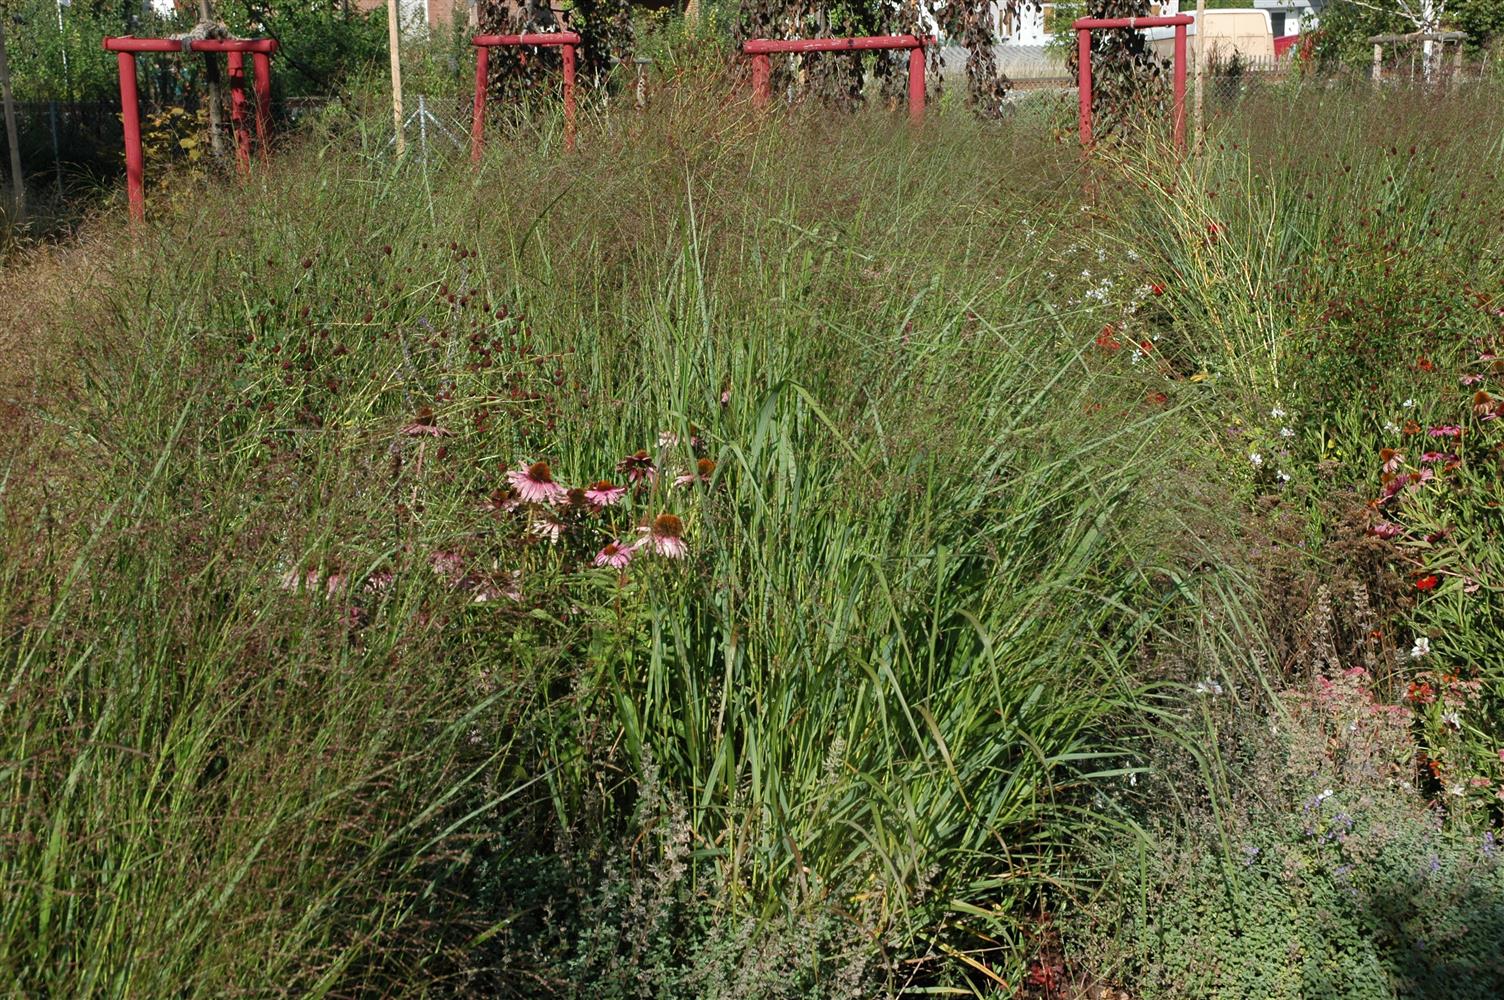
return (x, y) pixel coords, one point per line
(1325, 874)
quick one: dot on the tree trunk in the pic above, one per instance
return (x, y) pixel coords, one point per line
(211, 66)
(11, 138)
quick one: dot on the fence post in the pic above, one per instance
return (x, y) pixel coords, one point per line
(478, 109)
(57, 148)
(1378, 62)
(261, 65)
(130, 119)
(568, 54)
(1083, 73)
(916, 83)
(762, 79)
(236, 66)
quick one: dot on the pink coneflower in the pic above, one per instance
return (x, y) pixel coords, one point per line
(704, 469)
(424, 425)
(546, 527)
(615, 554)
(1392, 459)
(1385, 529)
(1484, 405)
(1445, 431)
(665, 537)
(535, 484)
(604, 494)
(1438, 456)
(639, 467)
(1471, 379)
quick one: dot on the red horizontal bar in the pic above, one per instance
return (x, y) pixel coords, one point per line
(763, 46)
(551, 38)
(1091, 23)
(130, 43)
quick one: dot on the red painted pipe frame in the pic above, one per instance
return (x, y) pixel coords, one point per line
(567, 41)
(1086, 25)
(760, 49)
(126, 49)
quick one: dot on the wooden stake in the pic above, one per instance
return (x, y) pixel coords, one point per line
(394, 41)
(1197, 111)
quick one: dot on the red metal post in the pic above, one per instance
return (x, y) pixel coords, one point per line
(762, 79)
(568, 54)
(1083, 68)
(478, 111)
(567, 41)
(1086, 25)
(126, 48)
(1179, 126)
(130, 118)
(236, 61)
(916, 84)
(261, 64)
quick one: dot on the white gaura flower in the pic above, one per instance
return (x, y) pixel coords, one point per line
(1421, 648)
(1256, 459)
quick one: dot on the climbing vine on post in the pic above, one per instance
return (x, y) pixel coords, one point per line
(1126, 77)
(837, 78)
(520, 76)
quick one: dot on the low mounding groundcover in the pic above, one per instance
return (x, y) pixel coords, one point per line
(768, 555)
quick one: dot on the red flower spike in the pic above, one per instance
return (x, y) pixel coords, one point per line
(1427, 582)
